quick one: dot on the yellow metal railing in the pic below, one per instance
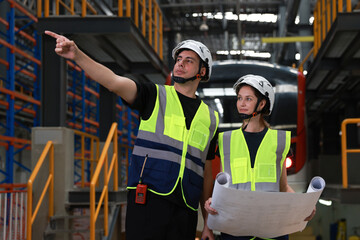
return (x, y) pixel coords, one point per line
(152, 18)
(301, 66)
(87, 155)
(69, 6)
(345, 150)
(107, 168)
(146, 15)
(49, 148)
(324, 15)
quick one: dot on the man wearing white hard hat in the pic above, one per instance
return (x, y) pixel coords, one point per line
(169, 173)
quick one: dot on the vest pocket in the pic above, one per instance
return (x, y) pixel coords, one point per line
(239, 171)
(174, 127)
(266, 172)
(192, 187)
(199, 136)
(161, 175)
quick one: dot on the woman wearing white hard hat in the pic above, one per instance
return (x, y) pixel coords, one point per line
(257, 159)
(176, 133)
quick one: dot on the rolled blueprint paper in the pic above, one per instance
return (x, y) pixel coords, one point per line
(223, 179)
(316, 184)
(261, 214)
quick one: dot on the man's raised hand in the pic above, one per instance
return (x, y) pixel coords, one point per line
(64, 47)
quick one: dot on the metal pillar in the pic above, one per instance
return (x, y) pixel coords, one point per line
(53, 111)
(304, 15)
(281, 33)
(10, 85)
(107, 112)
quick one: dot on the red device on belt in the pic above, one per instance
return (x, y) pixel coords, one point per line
(141, 193)
(141, 189)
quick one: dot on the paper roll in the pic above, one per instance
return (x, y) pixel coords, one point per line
(223, 179)
(261, 214)
(316, 184)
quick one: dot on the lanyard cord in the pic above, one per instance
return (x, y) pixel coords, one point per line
(142, 170)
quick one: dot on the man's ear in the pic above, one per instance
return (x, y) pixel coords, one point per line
(203, 71)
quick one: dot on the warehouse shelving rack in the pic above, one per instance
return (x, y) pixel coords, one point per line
(19, 84)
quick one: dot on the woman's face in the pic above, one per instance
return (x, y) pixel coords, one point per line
(246, 100)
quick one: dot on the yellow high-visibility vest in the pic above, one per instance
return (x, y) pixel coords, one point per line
(175, 154)
(270, 156)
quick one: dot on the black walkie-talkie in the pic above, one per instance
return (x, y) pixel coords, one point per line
(141, 188)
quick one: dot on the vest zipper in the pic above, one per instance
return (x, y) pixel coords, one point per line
(253, 179)
(183, 155)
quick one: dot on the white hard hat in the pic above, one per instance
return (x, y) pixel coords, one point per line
(261, 84)
(200, 49)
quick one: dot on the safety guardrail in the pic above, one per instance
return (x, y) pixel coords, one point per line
(107, 168)
(345, 150)
(146, 15)
(301, 65)
(325, 13)
(154, 15)
(13, 211)
(49, 186)
(70, 6)
(85, 154)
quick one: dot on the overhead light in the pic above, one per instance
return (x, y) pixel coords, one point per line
(230, 125)
(286, 88)
(247, 53)
(325, 202)
(311, 20)
(217, 92)
(204, 27)
(253, 17)
(219, 107)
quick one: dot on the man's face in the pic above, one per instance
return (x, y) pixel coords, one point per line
(186, 64)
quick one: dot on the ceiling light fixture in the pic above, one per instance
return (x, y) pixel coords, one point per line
(204, 27)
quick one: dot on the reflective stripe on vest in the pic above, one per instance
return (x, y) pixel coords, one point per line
(235, 157)
(254, 238)
(174, 153)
